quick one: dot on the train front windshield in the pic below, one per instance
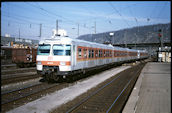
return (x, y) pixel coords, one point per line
(44, 49)
(62, 50)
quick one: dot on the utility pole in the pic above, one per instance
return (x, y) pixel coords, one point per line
(136, 40)
(160, 35)
(19, 33)
(137, 31)
(162, 39)
(125, 39)
(57, 27)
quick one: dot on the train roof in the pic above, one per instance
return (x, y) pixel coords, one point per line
(6, 47)
(68, 40)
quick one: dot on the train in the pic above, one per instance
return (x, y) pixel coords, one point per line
(22, 57)
(62, 57)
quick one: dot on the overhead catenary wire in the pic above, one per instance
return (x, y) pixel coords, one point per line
(152, 12)
(160, 12)
(40, 7)
(17, 18)
(54, 14)
(27, 23)
(119, 13)
(49, 12)
(109, 21)
(134, 17)
(24, 8)
(25, 19)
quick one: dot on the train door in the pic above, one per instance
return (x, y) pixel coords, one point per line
(96, 57)
(74, 56)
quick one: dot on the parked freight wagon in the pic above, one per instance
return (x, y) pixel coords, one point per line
(24, 57)
(6, 52)
(6, 55)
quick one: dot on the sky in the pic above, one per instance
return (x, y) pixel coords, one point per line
(78, 18)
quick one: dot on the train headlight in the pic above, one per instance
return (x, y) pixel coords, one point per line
(62, 63)
(39, 63)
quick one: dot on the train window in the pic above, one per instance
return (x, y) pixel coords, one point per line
(107, 53)
(44, 49)
(89, 53)
(99, 54)
(79, 52)
(96, 52)
(68, 50)
(114, 53)
(92, 53)
(104, 53)
(118, 53)
(64, 50)
(85, 53)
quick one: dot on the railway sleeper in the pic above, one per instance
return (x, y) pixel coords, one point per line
(22, 64)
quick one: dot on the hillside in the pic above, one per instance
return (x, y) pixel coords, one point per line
(143, 34)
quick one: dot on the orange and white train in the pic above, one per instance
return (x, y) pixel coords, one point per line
(63, 56)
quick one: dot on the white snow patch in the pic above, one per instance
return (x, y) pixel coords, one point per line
(54, 100)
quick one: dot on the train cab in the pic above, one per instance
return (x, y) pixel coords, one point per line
(54, 56)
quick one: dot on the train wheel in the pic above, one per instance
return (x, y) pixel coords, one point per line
(55, 77)
(47, 78)
(69, 78)
(25, 65)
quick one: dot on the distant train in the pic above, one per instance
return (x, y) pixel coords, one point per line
(23, 57)
(61, 57)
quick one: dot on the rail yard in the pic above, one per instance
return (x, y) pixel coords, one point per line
(71, 76)
(30, 90)
(86, 57)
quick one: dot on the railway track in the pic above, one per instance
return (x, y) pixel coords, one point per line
(14, 98)
(17, 70)
(11, 66)
(19, 78)
(14, 75)
(109, 97)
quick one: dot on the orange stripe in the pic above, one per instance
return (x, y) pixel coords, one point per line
(55, 63)
(87, 59)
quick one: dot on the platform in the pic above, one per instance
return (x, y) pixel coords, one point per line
(152, 91)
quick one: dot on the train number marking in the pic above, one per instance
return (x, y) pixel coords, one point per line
(49, 62)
